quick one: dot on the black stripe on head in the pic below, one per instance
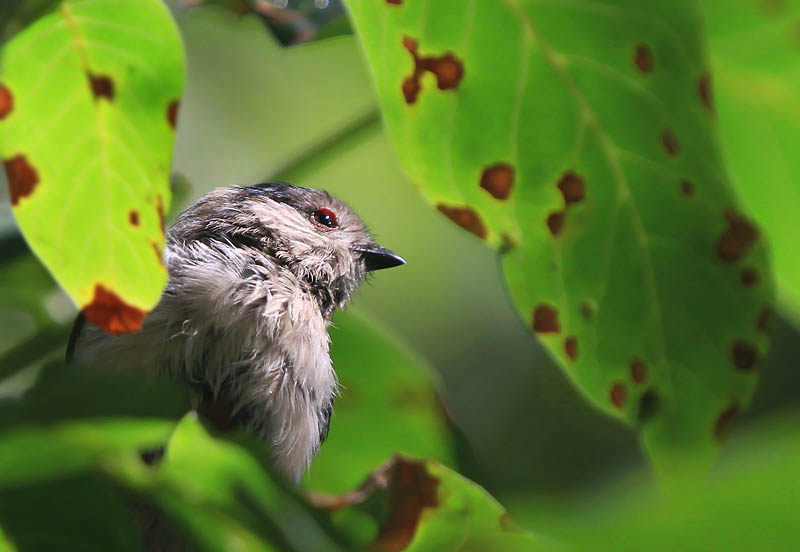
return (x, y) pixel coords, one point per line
(302, 199)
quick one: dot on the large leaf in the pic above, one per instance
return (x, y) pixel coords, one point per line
(594, 164)
(754, 48)
(88, 105)
(387, 405)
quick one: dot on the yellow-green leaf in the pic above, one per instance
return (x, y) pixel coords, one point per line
(88, 105)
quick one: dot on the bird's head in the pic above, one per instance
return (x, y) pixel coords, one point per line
(316, 236)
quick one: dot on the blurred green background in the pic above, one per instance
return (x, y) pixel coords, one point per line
(255, 111)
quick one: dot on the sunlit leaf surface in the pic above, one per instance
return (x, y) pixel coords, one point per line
(594, 165)
(88, 106)
(754, 50)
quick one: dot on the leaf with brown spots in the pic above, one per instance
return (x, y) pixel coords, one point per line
(620, 199)
(422, 505)
(92, 207)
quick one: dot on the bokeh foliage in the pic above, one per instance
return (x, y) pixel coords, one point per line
(70, 448)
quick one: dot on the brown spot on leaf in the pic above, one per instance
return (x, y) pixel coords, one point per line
(670, 143)
(21, 176)
(571, 347)
(643, 58)
(618, 394)
(108, 311)
(737, 239)
(649, 404)
(587, 309)
(102, 86)
(172, 113)
(764, 322)
(749, 277)
(158, 252)
(705, 89)
(6, 101)
(545, 319)
(507, 524)
(413, 397)
(395, 2)
(465, 217)
(555, 222)
(160, 211)
(687, 188)
(411, 88)
(447, 69)
(745, 356)
(133, 217)
(410, 490)
(498, 180)
(638, 370)
(572, 188)
(772, 7)
(724, 421)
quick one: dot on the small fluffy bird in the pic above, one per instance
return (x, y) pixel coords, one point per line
(255, 274)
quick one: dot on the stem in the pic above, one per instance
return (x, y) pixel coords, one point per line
(329, 147)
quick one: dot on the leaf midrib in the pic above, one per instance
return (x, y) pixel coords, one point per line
(609, 150)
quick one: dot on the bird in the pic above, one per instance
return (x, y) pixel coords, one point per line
(255, 274)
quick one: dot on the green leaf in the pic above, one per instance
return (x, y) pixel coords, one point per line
(76, 418)
(222, 496)
(33, 453)
(387, 405)
(88, 101)
(593, 163)
(421, 505)
(80, 513)
(754, 48)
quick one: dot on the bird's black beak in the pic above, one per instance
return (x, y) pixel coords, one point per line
(377, 257)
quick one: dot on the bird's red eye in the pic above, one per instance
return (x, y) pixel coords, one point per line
(326, 217)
